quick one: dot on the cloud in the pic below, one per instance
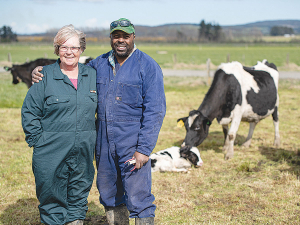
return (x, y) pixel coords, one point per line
(36, 28)
(105, 24)
(91, 22)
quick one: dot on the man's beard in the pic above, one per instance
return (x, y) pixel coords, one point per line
(125, 53)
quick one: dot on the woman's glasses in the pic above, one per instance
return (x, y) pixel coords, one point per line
(65, 49)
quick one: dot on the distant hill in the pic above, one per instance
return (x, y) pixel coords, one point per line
(255, 29)
(186, 32)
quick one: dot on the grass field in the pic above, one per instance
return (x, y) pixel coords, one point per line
(175, 55)
(260, 185)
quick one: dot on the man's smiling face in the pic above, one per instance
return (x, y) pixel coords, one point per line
(122, 43)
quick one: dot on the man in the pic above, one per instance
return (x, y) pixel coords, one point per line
(131, 108)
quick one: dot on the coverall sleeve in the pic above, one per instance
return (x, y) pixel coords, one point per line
(154, 109)
(32, 112)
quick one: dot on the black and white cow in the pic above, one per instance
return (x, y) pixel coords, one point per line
(175, 159)
(237, 94)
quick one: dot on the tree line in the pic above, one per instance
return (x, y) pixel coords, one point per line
(281, 30)
(210, 32)
(7, 35)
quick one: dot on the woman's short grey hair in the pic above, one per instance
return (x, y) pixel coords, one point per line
(64, 34)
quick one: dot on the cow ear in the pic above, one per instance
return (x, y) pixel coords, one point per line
(207, 122)
(181, 121)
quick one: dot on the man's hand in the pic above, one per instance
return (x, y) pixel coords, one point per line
(140, 159)
(36, 76)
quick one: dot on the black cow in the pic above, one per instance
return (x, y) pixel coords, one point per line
(23, 72)
(237, 94)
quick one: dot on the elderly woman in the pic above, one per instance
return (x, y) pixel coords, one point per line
(58, 118)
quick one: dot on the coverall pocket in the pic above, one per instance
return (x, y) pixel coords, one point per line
(57, 99)
(101, 88)
(128, 94)
(58, 106)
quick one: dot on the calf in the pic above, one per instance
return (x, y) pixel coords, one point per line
(237, 94)
(175, 159)
(23, 72)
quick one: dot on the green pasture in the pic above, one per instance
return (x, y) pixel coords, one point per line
(169, 55)
(260, 185)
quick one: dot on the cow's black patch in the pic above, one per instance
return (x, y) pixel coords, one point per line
(271, 65)
(266, 98)
(275, 114)
(166, 153)
(222, 97)
(153, 162)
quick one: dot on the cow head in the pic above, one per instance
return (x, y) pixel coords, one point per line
(271, 65)
(191, 154)
(197, 127)
(16, 79)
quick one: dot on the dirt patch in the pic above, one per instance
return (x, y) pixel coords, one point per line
(289, 67)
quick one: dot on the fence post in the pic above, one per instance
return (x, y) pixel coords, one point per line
(208, 71)
(9, 57)
(46, 56)
(228, 58)
(288, 59)
(174, 58)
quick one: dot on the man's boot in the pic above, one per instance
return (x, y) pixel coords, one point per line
(144, 221)
(117, 215)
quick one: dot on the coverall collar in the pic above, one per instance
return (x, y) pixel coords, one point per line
(58, 75)
(111, 59)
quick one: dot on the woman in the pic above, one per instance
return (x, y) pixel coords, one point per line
(58, 118)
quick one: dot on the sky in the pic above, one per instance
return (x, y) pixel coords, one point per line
(38, 16)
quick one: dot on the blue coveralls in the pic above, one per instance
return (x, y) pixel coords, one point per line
(131, 109)
(59, 122)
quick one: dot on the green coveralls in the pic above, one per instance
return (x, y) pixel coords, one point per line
(59, 122)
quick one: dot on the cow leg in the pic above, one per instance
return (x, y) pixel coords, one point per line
(247, 143)
(228, 147)
(276, 126)
(225, 131)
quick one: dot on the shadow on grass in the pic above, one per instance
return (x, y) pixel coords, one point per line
(215, 141)
(278, 154)
(25, 211)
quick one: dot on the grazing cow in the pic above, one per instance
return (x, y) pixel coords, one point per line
(23, 72)
(237, 94)
(175, 159)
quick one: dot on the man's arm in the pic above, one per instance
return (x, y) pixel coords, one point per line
(36, 76)
(154, 110)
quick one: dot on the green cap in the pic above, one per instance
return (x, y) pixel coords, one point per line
(122, 24)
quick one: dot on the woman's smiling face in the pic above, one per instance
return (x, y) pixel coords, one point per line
(70, 58)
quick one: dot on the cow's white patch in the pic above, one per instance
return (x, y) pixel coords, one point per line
(82, 59)
(244, 78)
(274, 73)
(191, 119)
